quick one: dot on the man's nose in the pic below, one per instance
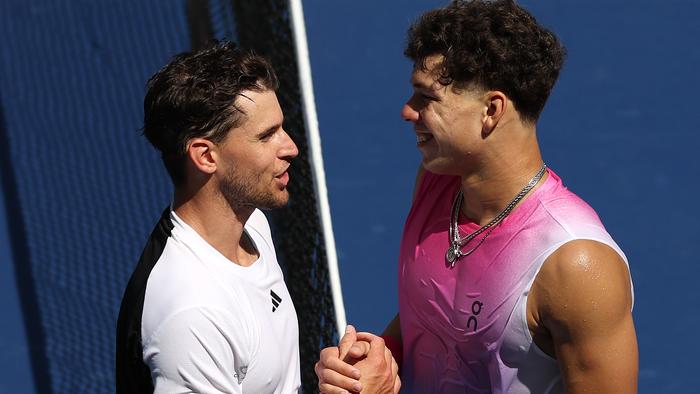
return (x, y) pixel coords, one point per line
(408, 112)
(290, 149)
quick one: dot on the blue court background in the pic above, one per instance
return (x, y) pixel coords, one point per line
(621, 129)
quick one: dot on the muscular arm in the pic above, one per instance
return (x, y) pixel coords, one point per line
(583, 300)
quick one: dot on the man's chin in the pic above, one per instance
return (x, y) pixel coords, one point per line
(440, 167)
(276, 202)
(432, 165)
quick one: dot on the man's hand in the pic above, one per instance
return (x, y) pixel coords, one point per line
(335, 375)
(360, 363)
(379, 371)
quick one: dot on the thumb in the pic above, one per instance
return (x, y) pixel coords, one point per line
(347, 341)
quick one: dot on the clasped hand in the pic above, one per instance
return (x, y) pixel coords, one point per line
(360, 363)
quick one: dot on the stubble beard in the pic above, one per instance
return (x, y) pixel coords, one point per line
(241, 192)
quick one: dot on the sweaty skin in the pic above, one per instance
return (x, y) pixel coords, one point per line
(579, 312)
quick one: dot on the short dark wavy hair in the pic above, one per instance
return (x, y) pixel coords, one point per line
(193, 97)
(496, 45)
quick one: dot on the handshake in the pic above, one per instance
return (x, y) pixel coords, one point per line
(360, 363)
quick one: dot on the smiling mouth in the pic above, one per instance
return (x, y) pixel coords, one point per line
(423, 138)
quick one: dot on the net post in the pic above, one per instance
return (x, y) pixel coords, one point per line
(313, 136)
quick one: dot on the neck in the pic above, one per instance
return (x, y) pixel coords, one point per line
(488, 190)
(219, 224)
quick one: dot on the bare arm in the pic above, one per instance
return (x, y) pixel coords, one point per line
(583, 300)
(393, 329)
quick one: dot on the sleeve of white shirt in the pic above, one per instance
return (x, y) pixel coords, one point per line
(199, 350)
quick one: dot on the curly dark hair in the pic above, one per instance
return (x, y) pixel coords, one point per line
(496, 45)
(193, 96)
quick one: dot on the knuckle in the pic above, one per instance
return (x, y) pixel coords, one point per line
(325, 374)
(363, 347)
(375, 363)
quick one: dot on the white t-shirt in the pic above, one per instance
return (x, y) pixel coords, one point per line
(210, 325)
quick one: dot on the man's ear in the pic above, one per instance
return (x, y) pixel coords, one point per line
(201, 153)
(495, 105)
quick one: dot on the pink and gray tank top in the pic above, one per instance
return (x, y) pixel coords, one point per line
(464, 329)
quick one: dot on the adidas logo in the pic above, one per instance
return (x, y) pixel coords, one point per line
(276, 300)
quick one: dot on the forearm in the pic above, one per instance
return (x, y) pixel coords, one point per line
(393, 340)
(393, 329)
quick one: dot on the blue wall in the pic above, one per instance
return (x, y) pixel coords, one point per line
(81, 187)
(620, 128)
(15, 365)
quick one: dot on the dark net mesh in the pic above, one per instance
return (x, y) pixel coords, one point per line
(83, 187)
(264, 25)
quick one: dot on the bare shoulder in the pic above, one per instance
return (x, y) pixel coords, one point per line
(582, 314)
(583, 278)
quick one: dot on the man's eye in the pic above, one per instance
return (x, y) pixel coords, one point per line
(266, 136)
(427, 97)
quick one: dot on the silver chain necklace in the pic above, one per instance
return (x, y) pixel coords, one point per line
(454, 252)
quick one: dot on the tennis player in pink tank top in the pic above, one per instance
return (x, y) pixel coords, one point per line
(508, 282)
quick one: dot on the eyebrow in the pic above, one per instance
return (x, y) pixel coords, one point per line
(271, 128)
(243, 95)
(420, 85)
